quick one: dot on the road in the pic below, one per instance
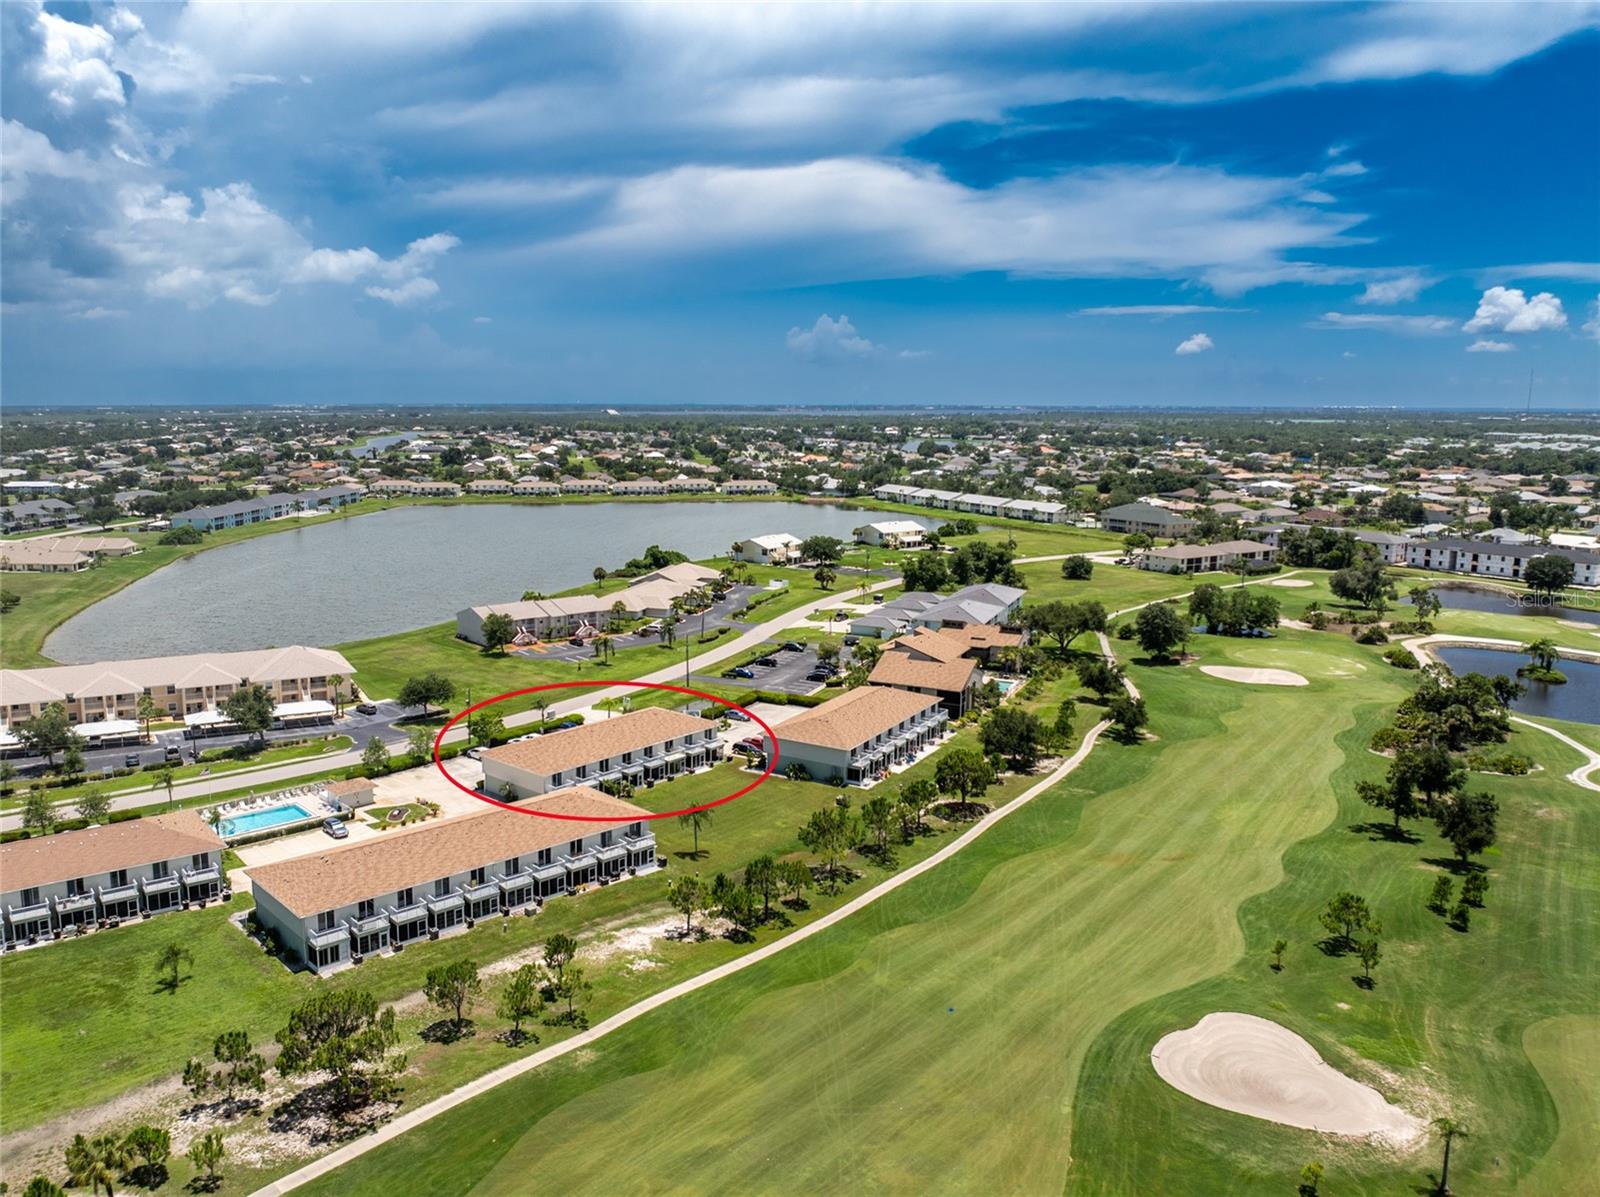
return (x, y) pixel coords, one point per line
(279, 776)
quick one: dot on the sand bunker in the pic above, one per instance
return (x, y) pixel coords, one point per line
(1258, 677)
(1578, 625)
(1254, 1066)
(1293, 583)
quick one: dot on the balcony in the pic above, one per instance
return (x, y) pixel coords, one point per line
(440, 903)
(481, 893)
(370, 925)
(638, 843)
(202, 876)
(119, 893)
(328, 938)
(514, 881)
(73, 903)
(158, 885)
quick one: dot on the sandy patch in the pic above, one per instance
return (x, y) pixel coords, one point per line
(1256, 677)
(1577, 625)
(1254, 1066)
(1291, 583)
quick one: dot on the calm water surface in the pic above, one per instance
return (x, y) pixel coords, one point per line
(1459, 598)
(1578, 700)
(403, 568)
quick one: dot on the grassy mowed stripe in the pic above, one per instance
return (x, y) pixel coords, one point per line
(931, 1043)
(1564, 1050)
(1449, 1028)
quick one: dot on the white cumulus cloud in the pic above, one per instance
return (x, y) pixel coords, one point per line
(1198, 343)
(1483, 345)
(1401, 289)
(829, 340)
(1508, 309)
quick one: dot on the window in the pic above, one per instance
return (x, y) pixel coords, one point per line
(441, 887)
(581, 771)
(75, 887)
(366, 909)
(605, 839)
(605, 764)
(325, 921)
(119, 878)
(627, 758)
(30, 896)
(514, 866)
(479, 876)
(406, 897)
(556, 780)
(649, 750)
(636, 829)
(160, 869)
(544, 856)
(201, 860)
(575, 848)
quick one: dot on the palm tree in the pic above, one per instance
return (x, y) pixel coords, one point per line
(170, 960)
(335, 684)
(695, 820)
(98, 1161)
(1542, 653)
(147, 711)
(166, 777)
(1451, 1130)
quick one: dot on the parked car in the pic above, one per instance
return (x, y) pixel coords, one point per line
(131, 761)
(366, 708)
(769, 662)
(737, 671)
(851, 641)
(576, 641)
(791, 646)
(737, 716)
(174, 753)
(564, 724)
(335, 828)
(473, 753)
(819, 675)
(754, 744)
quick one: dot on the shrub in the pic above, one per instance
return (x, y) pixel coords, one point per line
(1510, 763)
(183, 535)
(1400, 658)
(1371, 635)
(797, 772)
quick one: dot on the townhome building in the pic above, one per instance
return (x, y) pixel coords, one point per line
(490, 486)
(858, 737)
(535, 487)
(928, 662)
(638, 487)
(36, 513)
(639, 748)
(265, 507)
(422, 488)
(54, 885)
(585, 486)
(777, 548)
(1147, 518)
(650, 596)
(180, 685)
(690, 485)
(892, 534)
(1482, 558)
(1201, 558)
(749, 486)
(1040, 511)
(335, 908)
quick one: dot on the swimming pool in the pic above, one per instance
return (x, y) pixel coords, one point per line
(262, 820)
(1007, 684)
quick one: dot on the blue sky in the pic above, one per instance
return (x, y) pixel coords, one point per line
(1134, 204)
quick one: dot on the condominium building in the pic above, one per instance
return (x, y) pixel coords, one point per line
(1203, 558)
(929, 662)
(641, 747)
(180, 685)
(419, 487)
(638, 486)
(650, 596)
(859, 736)
(265, 507)
(1146, 518)
(777, 548)
(51, 885)
(1040, 511)
(749, 486)
(892, 534)
(339, 906)
(1486, 559)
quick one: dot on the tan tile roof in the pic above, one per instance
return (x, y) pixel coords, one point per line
(45, 860)
(259, 665)
(911, 669)
(596, 741)
(855, 716)
(418, 855)
(981, 635)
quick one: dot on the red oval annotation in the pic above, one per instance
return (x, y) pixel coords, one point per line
(601, 684)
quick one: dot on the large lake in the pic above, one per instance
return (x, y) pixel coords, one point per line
(1578, 699)
(407, 567)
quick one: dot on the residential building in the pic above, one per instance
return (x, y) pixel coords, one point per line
(1040, 511)
(42, 557)
(681, 485)
(490, 486)
(778, 548)
(928, 662)
(1487, 559)
(424, 488)
(334, 908)
(892, 534)
(650, 596)
(984, 603)
(1202, 558)
(858, 737)
(179, 685)
(536, 487)
(638, 487)
(585, 486)
(265, 507)
(36, 513)
(53, 884)
(1146, 518)
(641, 747)
(749, 486)
(1391, 548)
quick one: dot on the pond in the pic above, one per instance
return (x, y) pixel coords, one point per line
(404, 568)
(1578, 700)
(1505, 602)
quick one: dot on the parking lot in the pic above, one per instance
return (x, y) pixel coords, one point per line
(787, 676)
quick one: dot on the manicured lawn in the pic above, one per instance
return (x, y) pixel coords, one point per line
(1115, 586)
(987, 1028)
